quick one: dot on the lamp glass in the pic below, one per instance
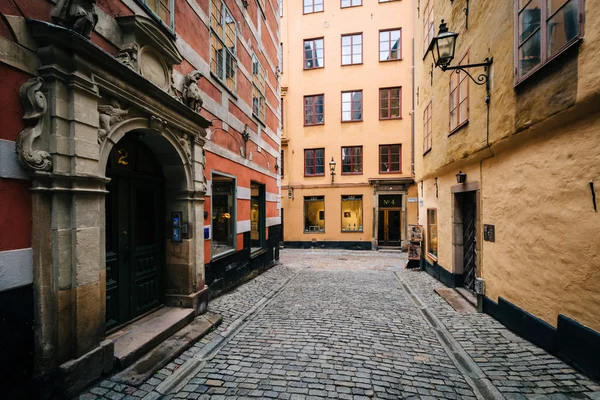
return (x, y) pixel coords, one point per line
(332, 165)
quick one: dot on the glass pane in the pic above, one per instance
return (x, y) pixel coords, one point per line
(357, 59)
(464, 111)
(554, 5)
(530, 19)
(357, 39)
(347, 59)
(530, 53)
(345, 3)
(356, 49)
(464, 90)
(352, 219)
(318, 5)
(395, 35)
(563, 27)
(346, 116)
(165, 14)
(314, 214)
(346, 40)
(222, 215)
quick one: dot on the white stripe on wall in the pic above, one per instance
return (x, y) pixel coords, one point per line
(243, 226)
(273, 221)
(9, 164)
(243, 193)
(16, 268)
(274, 197)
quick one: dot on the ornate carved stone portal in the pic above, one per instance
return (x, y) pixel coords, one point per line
(35, 106)
(109, 114)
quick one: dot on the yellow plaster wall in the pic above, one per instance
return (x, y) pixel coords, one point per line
(534, 175)
(331, 80)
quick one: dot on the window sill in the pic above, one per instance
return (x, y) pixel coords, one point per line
(351, 173)
(346, 231)
(390, 172)
(432, 257)
(530, 74)
(313, 176)
(392, 60)
(223, 255)
(313, 232)
(216, 78)
(313, 12)
(427, 151)
(310, 69)
(354, 120)
(320, 124)
(256, 253)
(349, 65)
(458, 128)
(390, 119)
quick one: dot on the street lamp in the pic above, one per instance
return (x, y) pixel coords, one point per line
(461, 177)
(444, 47)
(332, 169)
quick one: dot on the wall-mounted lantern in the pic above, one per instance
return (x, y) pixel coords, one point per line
(444, 47)
(332, 169)
(461, 177)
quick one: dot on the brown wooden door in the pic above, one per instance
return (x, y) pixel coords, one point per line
(389, 227)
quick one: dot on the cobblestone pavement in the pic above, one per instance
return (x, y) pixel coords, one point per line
(346, 327)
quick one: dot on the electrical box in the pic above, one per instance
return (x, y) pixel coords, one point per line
(479, 286)
(176, 227)
(489, 233)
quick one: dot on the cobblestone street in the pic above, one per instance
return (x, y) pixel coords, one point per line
(354, 325)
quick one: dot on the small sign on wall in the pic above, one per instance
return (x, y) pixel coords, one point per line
(489, 233)
(207, 232)
(413, 199)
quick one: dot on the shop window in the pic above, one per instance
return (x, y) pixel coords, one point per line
(257, 217)
(223, 215)
(390, 45)
(162, 10)
(352, 214)
(545, 28)
(432, 236)
(312, 6)
(352, 48)
(352, 106)
(282, 162)
(390, 158)
(314, 214)
(314, 53)
(352, 160)
(223, 62)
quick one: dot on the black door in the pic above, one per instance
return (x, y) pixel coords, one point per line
(388, 230)
(134, 233)
(469, 240)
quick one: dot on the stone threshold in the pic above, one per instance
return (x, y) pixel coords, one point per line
(467, 295)
(136, 339)
(168, 349)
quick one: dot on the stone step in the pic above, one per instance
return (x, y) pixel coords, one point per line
(138, 338)
(169, 349)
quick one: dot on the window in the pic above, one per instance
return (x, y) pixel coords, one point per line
(351, 160)
(223, 215)
(281, 122)
(352, 106)
(163, 9)
(313, 53)
(280, 8)
(352, 214)
(545, 28)
(314, 162)
(313, 110)
(311, 6)
(223, 63)
(390, 46)
(352, 49)
(427, 128)
(282, 162)
(351, 3)
(432, 237)
(259, 103)
(428, 25)
(258, 226)
(314, 214)
(459, 97)
(389, 103)
(390, 159)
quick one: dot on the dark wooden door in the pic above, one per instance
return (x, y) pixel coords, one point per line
(388, 229)
(135, 227)
(469, 240)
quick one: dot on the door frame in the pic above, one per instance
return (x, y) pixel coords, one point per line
(403, 216)
(457, 228)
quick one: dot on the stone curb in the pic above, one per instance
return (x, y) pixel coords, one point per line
(191, 367)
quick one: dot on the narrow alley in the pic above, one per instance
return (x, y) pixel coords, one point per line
(353, 325)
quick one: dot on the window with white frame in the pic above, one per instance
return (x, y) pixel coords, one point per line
(163, 9)
(223, 62)
(259, 103)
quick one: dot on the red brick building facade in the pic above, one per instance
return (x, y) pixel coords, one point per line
(139, 168)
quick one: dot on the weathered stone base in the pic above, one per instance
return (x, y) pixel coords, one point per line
(75, 375)
(198, 301)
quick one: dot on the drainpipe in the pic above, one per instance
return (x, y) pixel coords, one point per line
(413, 110)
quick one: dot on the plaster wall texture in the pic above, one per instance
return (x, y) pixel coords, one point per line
(534, 177)
(369, 76)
